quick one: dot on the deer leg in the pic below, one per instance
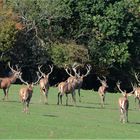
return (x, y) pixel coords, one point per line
(46, 97)
(126, 114)
(58, 98)
(7, 93)
(103, 100)
(66, 99)
(79, 95)
(27, 107)
(139, 103)
(61, 98)
(41, 93)
(73, 97)
(4, 90)
(135, 102)
(24, 109)
(121, 114)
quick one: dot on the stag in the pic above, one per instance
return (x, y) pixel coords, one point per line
(137, 90)
(124, 104)
(102, 90)
(78, 79)
(66, 88)
(25, 93)
(44, 84)
(6, 82)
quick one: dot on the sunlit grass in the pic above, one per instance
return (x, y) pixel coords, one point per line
(87, 120)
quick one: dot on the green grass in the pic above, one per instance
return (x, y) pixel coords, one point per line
(87, 120)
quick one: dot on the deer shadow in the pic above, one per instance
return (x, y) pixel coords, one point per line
(138, 123)
(49, 115)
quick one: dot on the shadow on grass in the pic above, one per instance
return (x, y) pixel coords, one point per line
(11, 101)
(134, 123)
(49, 115)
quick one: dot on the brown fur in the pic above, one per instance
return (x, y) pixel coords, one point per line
(137, 96)
(6, 82)
(44, 84)
(25, 94)
(123, 107)
(66, 88)
(102, 91)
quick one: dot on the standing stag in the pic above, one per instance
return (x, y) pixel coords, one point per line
(102, 90)
(66, 88)
(77, 79)
(25, 93)
(124, 104)
(137, 90)
(44, 84)
(6, 82)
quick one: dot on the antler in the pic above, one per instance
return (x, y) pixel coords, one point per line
(66, 69)
(39, 77)
(134, 88)
(39, 68)
(104, 78)
(88, 68)
(118, 85)
(74, 67)
(136, 76)
(11, 67)
(14, 71)
(101, 79)
(51, 67)
(22, 80)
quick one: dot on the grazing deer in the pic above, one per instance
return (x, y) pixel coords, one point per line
(77, 79)
(66, 88)
(124, 104)
(137, 90)
(102, 90)
(44, 84)
(25, 93)
(6, 82)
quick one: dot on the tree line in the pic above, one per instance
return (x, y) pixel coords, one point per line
(103, 33)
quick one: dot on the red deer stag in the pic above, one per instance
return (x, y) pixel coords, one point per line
(66, 88)
(137, 90)
(44, 84)
(102, 90)
(77, 79)
(6, 82)
(124, 104)
(25, 93)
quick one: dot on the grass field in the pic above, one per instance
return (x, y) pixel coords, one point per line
(87, 120)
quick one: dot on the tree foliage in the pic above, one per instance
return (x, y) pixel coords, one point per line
(7, 32)
(67, 54)
(103, 32)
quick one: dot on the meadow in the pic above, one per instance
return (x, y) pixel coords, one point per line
(85, 121)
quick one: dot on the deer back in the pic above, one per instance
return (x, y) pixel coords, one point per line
(123, 103)
(65, 87)
(26, 92)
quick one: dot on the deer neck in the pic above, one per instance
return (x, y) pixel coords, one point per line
(13, 78)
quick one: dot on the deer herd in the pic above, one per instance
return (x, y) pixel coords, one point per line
(69, 86)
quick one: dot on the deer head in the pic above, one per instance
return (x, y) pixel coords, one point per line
(43, 74)
(103, 82)
(124, 93)
(78, 74)
(33, 83)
